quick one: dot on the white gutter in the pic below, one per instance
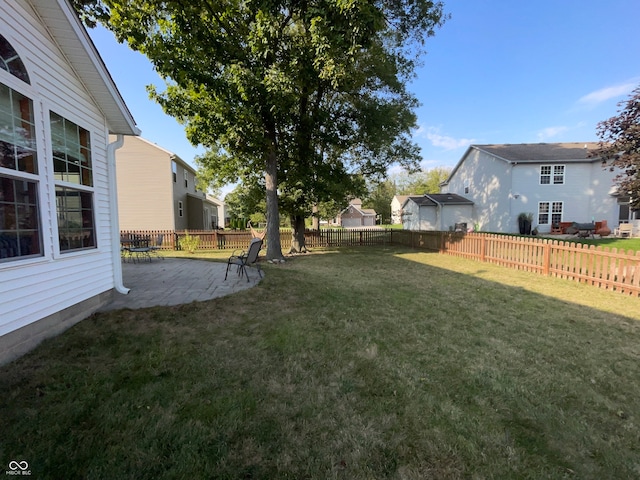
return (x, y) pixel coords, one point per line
(113, 207)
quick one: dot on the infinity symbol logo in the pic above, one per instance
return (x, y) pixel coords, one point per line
(13, 465)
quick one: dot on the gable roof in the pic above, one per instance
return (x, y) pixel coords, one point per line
(542, 152)
(533, 153)
(435, 199)
(365, 212)
(68, 32)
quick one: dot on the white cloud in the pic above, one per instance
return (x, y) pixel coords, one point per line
(607, 93)
(550, 132)
(443, 141)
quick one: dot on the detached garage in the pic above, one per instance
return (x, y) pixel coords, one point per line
(436, 211)
(354, 216)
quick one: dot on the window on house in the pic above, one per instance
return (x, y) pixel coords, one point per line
(72, 171)
(549, 212)
(466, 189)
(180, 209)
(11, 62)
(75, 219)
(552, 174)
(20, 225)
(174, 169)
(17, 132)
(186, 179)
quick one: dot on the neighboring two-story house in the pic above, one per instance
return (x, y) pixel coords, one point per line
(59, 242)
(157, 191)
(557, 182)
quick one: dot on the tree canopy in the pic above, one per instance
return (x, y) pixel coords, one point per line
(620, 143)
(307, 95)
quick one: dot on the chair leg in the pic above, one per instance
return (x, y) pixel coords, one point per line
(227, 272)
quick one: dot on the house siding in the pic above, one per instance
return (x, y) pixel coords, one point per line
(488, 179)
(36, 288)
(416, 218)
(452, 214)
(584, 194)
(145, 186)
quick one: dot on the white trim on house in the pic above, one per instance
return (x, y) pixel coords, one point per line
(42, 295)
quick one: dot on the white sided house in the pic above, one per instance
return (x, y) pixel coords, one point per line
(557, 182)
(59, 242)
(437, 211)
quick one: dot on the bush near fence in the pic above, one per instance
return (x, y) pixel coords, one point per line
(602, 267)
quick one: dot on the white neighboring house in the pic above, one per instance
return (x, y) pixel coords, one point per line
(437, 211)
(557, 182)
(59, 242)
(396, 208)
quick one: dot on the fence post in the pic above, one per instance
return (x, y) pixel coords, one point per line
(483, 248)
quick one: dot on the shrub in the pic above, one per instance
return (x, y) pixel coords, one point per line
(189, 243)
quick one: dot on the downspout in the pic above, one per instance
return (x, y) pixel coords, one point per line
(115, 221)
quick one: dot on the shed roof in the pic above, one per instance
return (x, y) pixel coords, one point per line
(435, 199)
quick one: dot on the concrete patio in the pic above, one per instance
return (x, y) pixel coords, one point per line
(173, 281)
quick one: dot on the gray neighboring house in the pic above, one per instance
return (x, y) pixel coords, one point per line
(157, 191)
(436, 211)
(557, 182)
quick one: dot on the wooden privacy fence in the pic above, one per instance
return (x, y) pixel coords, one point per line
(602, 267)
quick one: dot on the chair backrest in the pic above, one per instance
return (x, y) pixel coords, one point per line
(254, 250)
(625, 228)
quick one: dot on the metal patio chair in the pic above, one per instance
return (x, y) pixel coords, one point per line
(246, 259)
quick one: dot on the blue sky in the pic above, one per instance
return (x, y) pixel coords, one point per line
(499, 71)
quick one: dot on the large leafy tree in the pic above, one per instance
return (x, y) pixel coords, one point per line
(379, 197)
(417, 183)
(302, 92)
(620, 143)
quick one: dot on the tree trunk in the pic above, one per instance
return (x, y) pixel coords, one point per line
(315, 219)
(297, 234)
(274, 249)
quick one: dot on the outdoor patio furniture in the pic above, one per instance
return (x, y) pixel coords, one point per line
(134, 247)
(623, 230)
(584, 229)
(246, 259)
(155, 249)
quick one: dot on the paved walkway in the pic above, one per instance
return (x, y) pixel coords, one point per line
(174, 281)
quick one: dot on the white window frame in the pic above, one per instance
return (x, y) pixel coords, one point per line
(180, 208)
(69, 116)
(553, 174)
(26, 89)
(554, 211)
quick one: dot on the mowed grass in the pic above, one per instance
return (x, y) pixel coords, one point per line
(366, 363)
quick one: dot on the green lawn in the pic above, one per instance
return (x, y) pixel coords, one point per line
(365, 363)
